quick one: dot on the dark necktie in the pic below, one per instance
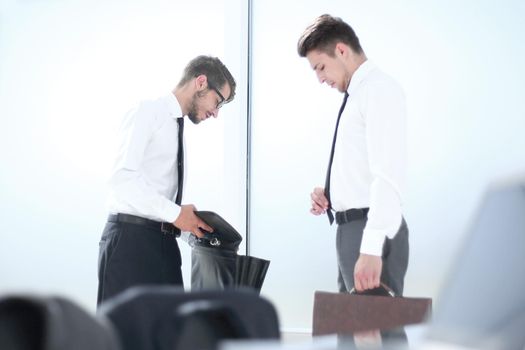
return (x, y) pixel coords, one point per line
(328, 172)
(180, 161)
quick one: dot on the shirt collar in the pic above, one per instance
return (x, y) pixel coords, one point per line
(360, 74)
(173, 106)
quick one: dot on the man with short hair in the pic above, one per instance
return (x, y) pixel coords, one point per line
(138, 245)
(367, 164)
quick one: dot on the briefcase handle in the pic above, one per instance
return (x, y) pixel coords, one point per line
(383, 289)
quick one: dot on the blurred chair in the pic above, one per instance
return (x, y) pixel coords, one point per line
(51, 323)
(164, 317)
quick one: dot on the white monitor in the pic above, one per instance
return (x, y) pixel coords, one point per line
(482, 303)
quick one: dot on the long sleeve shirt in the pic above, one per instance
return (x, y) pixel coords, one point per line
(144, 179)
(370, 155)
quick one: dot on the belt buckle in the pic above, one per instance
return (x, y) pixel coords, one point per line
(166, 227)
(351, 215)
(348, 215)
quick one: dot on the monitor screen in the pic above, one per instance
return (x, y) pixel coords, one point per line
(482, 302)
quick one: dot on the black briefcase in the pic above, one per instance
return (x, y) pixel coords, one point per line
(214, 260)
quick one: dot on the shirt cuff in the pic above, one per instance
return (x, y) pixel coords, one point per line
(372, 243)
(171, 213)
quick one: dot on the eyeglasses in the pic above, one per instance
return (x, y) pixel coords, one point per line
(223, 101)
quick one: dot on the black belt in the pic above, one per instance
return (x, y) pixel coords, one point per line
(343, 217)
(164, 227)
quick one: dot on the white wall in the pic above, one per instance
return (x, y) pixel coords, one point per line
(69, 70)
(461, 65)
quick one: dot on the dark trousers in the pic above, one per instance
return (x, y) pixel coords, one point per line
(132, 255)
(395, 255)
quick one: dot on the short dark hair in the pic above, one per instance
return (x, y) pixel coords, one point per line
(214, 70)
(324, 33)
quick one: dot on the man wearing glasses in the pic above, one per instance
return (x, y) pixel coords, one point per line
(138, 244)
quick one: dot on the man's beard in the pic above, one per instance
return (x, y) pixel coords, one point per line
(192, 113)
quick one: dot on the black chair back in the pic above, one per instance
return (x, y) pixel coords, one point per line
(163, 317)
(52, 323)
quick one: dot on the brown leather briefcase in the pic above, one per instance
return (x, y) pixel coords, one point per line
(345, 313)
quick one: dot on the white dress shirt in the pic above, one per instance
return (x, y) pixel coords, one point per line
(370, 155)
(144, 179)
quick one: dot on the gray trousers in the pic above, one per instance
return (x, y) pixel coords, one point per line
(395, 255)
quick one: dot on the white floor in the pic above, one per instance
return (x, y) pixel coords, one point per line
(295, 337)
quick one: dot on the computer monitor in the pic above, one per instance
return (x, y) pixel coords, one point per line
(482, 302)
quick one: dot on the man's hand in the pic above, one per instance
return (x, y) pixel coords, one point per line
(367, 272)
(189, 222)
(319, 201)
(368, 339)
